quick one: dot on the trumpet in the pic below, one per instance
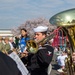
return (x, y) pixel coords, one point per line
(66, 19)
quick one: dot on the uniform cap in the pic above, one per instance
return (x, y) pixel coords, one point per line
(40, 29)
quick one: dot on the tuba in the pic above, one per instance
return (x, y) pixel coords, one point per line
(66, 19)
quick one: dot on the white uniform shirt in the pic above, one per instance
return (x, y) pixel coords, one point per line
(61, 60)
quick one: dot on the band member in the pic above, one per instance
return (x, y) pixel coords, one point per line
(7, 46)
(38, 63)
(8, 66)
(24, 38)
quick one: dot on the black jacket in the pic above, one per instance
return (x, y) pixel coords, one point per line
(8, 66)
(39, 62)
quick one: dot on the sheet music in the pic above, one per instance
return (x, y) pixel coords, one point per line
(19, 63)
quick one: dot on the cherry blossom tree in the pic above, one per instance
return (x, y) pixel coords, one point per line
(30, 24)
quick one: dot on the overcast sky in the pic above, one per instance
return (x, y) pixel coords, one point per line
(15, 12)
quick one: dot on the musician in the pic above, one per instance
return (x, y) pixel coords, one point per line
(24, 38)
(7, 46)
(38, 63)
(8, 66)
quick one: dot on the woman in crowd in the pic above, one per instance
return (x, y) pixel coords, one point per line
(23, 39)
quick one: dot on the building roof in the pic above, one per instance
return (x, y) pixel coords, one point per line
(5, 32)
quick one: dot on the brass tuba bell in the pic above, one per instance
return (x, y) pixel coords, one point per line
(66, 19)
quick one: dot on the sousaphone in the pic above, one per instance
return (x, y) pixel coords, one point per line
(66, 19)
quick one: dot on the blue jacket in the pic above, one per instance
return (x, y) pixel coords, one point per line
(23, 43)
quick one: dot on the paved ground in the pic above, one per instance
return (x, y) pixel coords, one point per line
(54, 67)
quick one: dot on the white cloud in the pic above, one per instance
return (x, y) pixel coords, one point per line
(17, 11)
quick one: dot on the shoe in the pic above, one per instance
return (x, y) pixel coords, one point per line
(60, 70)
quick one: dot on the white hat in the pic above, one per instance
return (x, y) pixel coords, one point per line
(40, 29)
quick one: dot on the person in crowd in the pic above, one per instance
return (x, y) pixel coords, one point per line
(12, 44)
(1, 43)
(23, 39)
(61, 60)
(38, 62)
(7, 46)
(8, 65)
(17, 41)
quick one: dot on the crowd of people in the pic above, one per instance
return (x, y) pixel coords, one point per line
(6, 44)
(36, 63)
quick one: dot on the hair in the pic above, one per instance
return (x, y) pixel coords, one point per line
(25, 31)
(65, 50)
(44, 33)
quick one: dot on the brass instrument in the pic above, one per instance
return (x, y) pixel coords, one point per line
(66, 19)
(5, 52)
(32, 46)
(17, 51)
